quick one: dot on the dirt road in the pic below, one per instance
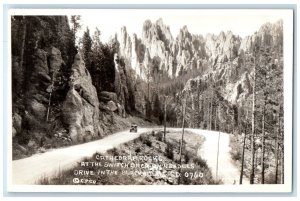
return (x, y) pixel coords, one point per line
(30, 170)
(227, 171)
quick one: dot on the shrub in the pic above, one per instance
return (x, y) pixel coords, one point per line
(44, 181)
(113, 151)
(138, 150)
(153, 133)
(159, 136)
(145, 140)
(237, 156)
(235, 151)
(188, 156)
(148, 143)
(201, 162)
(169, 151)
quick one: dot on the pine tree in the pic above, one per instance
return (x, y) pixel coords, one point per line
(75, 25)
(87, 49)
(252, 170)
(183, 110)
(156, 106)
(148, 109)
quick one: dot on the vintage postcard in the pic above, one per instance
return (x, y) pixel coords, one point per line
(150, 100)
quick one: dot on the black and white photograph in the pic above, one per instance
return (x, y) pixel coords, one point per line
(151, 99)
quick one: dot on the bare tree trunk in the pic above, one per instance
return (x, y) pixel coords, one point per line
(165, 119)
(276, 159)
(201, 115)
(207, 114)
(263, 147)
(218, 147)
(243, 156)
(21, 64)
(282, 165)
(216, 119)
(182, 135)
(183, 124)
(192, 122)
(217, 168)
(232, 125)
(23, 42)
(148, 90)
(277, 149)
(253, 129)
(263, 132)
(48, 109)
(282, 158)
(210, 115)
(199, 108)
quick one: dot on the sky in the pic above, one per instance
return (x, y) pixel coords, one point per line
(241, 23)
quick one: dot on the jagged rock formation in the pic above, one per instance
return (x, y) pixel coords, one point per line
(216, 56)
(165, 54)
(133, 50)
(122, 86)
(81, 107)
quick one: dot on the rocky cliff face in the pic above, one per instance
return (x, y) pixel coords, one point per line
(132, 50)
(81, 106)
(33, 113)
(42, 76)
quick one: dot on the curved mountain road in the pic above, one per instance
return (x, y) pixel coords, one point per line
(227, 171)
(29, 170)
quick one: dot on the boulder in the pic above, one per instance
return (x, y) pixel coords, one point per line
(108, 96)
(32, 144)
(17, 122)
(121, 110)
(37, 109)
(112, 106)
(41, 150)
(14, 132)
(22, 149)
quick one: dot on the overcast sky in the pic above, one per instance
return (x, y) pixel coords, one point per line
(242, 23)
